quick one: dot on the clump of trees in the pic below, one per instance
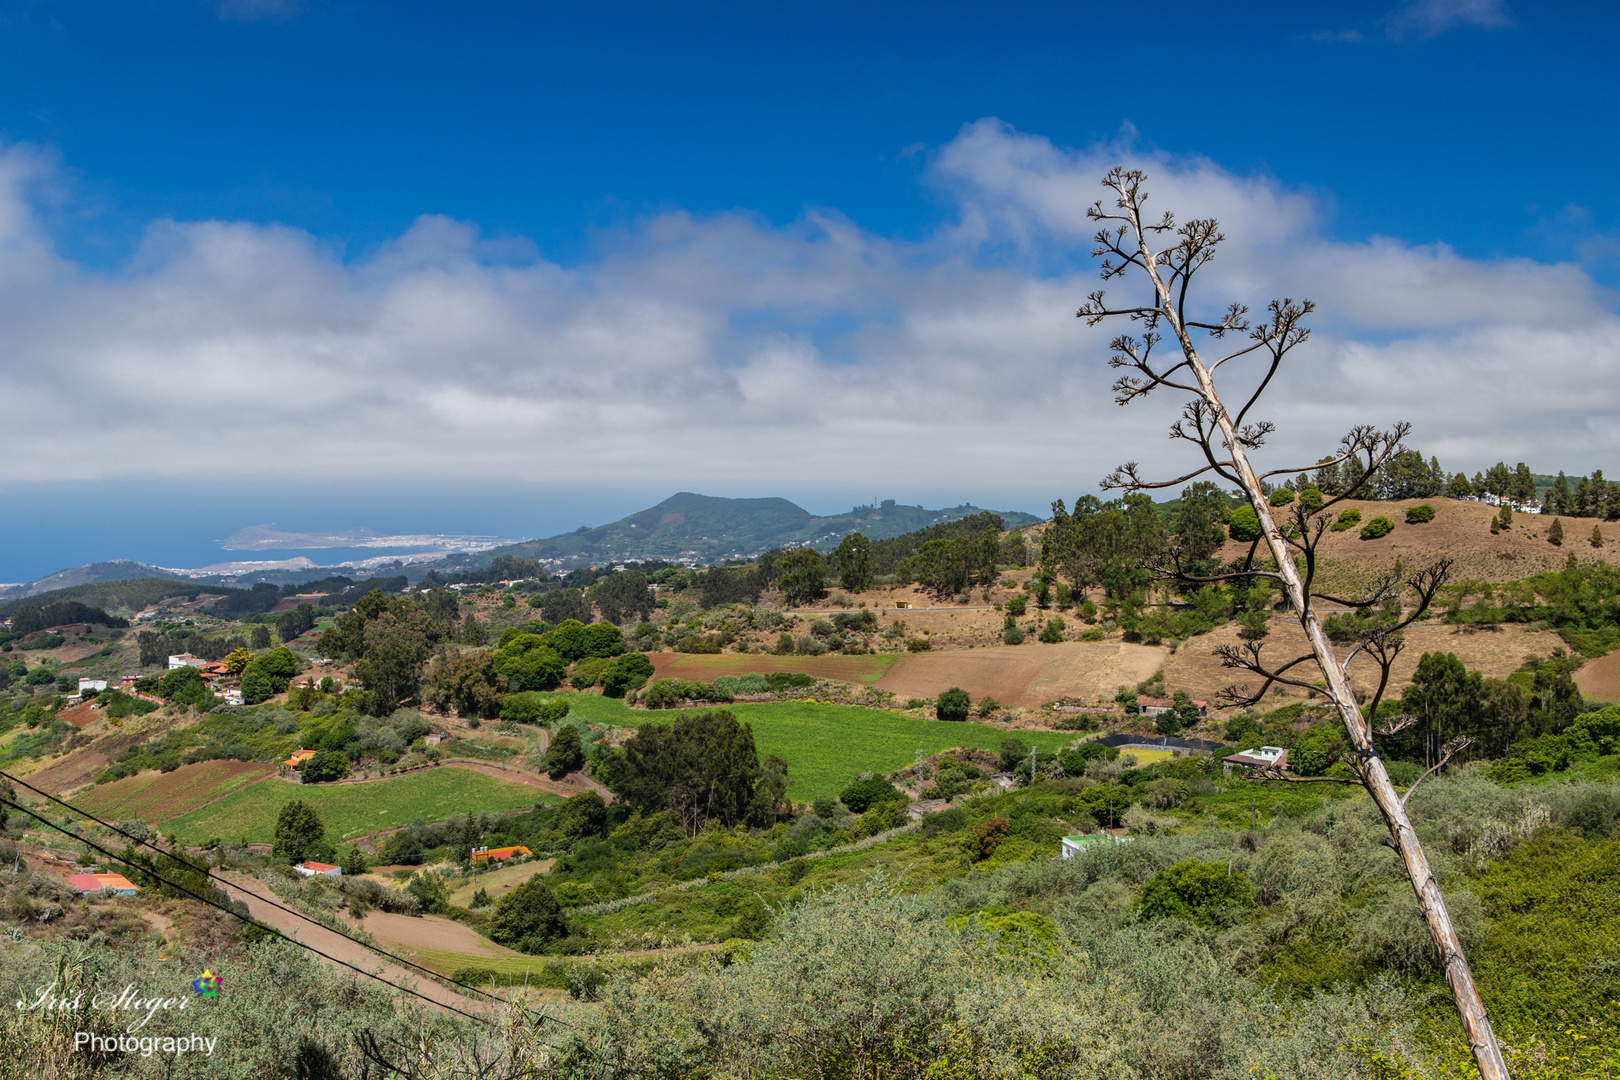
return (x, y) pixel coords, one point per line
(702, 767)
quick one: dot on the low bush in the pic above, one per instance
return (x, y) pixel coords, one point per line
(1417, 515)
(1347, 519)
(1377, 527)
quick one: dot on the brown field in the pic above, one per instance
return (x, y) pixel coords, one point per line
(428, 932)
(706, 667)
(1022, 676)
(1496, 652)
(1600, 679)
(157, 797)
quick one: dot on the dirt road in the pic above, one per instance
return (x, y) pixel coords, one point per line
(253, 893)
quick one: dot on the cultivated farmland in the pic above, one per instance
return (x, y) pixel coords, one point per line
(155, 797)
(827, 746)
(351, 810)
(700, 667)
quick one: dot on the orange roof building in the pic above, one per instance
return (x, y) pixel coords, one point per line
(89, 883)
(299, 757)
(500, 854)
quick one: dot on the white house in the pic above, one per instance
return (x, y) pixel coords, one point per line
(185, 659)
(94, 686)
(1262, 758)
(318, 869)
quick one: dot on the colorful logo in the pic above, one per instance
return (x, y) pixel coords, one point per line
(207, 985)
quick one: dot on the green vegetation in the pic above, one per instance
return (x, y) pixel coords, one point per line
(1378, 527)
(351, 810)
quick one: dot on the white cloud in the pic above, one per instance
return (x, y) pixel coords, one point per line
(728, 355)
(1430, 18)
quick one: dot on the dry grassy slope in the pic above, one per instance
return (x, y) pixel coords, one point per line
(1460, 531)
(1495, 652)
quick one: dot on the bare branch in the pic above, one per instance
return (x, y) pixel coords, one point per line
(1447, 752)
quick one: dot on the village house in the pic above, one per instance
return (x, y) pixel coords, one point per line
(89, 883)
(1265, 757)
(310, 868)
(185, 659)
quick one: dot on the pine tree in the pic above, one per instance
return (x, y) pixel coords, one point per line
(1557, 501)
(1597, 537)
(1555, 533)
(1611, 506)
(1460, 488)
(1524, 484)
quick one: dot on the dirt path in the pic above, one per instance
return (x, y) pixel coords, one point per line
(252, 893)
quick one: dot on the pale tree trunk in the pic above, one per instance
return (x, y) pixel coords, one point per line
(1476, 1024)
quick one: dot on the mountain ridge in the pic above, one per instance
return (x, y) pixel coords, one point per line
(711, 528)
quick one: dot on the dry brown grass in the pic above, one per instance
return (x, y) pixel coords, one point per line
(1495, 651)
(1460, 531)
(1600, 679)
(1022, 676)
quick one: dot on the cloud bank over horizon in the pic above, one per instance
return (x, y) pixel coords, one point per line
(722, 353)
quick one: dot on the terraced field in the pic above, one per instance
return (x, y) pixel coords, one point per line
(351, 810)
(155, 797)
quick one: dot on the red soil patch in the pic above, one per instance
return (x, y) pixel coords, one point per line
(156, 797)
(81, 715)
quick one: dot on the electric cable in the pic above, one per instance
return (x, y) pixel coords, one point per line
(248, 919)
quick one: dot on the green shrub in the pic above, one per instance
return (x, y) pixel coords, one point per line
(863, 794)
(1052, 632)
(1312, 499)
(1417, 515)
(1205, 893)
(1377, 527)
(1243, 524)
(953, 704)
(1281, 497)
(1348, 519)
(918, 644)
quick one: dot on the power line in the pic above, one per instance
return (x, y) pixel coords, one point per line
(245, 918)
(274, 903)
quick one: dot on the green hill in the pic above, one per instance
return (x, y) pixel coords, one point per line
(711, 530)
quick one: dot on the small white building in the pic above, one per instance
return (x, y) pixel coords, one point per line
(318, 869)
(232, 697)
(185, 659)
(94, 686)
(1265, 757)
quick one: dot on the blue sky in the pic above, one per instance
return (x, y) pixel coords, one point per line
(323, 254)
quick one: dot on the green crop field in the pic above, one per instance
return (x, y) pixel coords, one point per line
(827, 746)
(154, 797)
(351, 810)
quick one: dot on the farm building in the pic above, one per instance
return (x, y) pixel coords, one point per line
(1264, 757)
(500, 854)
(1074, 845)
(95, 686)
(318, 869)
(1153, 706)
(185, 659)
(89, 883)
(298, 758)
